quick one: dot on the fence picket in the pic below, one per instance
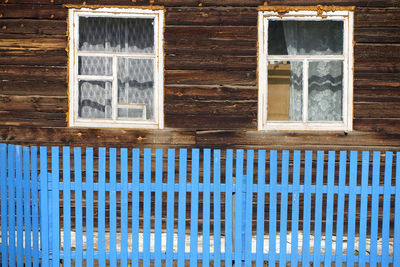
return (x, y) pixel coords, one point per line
(396, 240)
(20, 206)
(249, 206)
(11, 204)
(146, 207)
(206, 207)
(217, 208)
(182, 207)
(35, 207)
(113, 207)
(66, 205)
(55, 196)
(44, 211)
(329, 209)
(27, 208)
(260, 209)
(194, 208)
(284, 207)
(295, 208)
(228, 207)
(158, 208)
(306, 210)
(102, 206)
(375, 206)
(124, 207)
(135, 206)
(78, 206)
(318, 207)
(352, 207)
(363, 208)
(3, 196)
(170, 207)
(340, 209)
(386, 208)
(272, 206)
(89, 207)
(238, 208)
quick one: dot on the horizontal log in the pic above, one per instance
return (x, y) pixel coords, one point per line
(33, 26)
(200, 77)
(32, 72)
(377, 17)
(32, 120)
(377, 109)
(376, 81)
(380, 125)
(90, 137)
(377, 35)
(361, 3)
(28, 42)
(37, 87)
(33, 57)
(366, 51)
(373, 95)
(33, 11)
(33, 103)
(212, 108)
(211, 122)
(376, 66)
(190, 93)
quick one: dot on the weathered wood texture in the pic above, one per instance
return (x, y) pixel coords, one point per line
(210, 77)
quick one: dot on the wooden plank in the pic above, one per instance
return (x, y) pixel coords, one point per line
(3, 188)
(238, 208)
(78, 205)
(386, 208)
(34, 58)
(33, 11)
(11, 204)
(228, 207)
(146, 206)
(284, 209)
(329, 209)
(362, 258)
(351, 231)
(213, 92)
(124, 206)
(295, 208)
(38, 87)
(217, 207)
(377, 35)
(32, 72)
(55, 204)
(375, 207)
(89, 207)
(372, 3)
(113, 206)
(170, 207)
(102, 207)
(340, 209)
(203, 108)
(135, 206)
(194, 208)
(44, 208)
(377, 17)
(248, 207)
(35, 207)
(182, 206)
(260, 209)
(158, 208)
(33, 26)
(67, 207)
(369, 51)
(19, 206)
(206, 206)
(216, 123)
(306, 257)
(27, 207)
(272, 207)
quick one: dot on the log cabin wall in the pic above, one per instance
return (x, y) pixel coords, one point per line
(210, 78)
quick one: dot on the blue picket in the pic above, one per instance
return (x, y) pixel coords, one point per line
(44, 211)
(318, 207)
(11, 204)
(295, 208)
(352, 207)
(19, 205)
(396, 241)
(306, 209)
(102, 206)
(55, 196)
(78, 206)
(206, 206)
(113, 207)
(170, 207)
(35, 207)
(182, 207)
(228, 207)
(217, 208)
(66, 205)
(89, 207)
(146, 207)
(124, 207)
(248, 207)
(194, 208)
(3, 196)
(260, 209)
(340, 209)
(386, 208)
(238, 207)
(27, 207)
(329, 209)
(135, 206)
(273, 161)
(363, 208)
(375, 207)
(284, 207)
(158, 208)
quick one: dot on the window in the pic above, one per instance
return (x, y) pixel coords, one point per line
(305, 68)
(116, 67)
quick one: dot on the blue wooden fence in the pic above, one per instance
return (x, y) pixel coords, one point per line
(136, 208)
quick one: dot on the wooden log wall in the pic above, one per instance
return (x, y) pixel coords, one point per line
(210, 78)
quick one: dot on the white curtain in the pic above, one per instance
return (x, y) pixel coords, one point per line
(324, 77)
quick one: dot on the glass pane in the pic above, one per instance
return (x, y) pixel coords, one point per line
(138, 112)
(94, 99)
(293, 37)
(136, 83)
(285, 90)
(116, 34)
(95, 66)
(325, 91)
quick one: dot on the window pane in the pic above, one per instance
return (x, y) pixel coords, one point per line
(138, 112)
(136, 83)
(95, 66)
(291, 37)
(285, 87)
(94, 99)
(116, 34)
(325, 90)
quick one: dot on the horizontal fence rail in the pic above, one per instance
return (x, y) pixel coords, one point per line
(121, 207)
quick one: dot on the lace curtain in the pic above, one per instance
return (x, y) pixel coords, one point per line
(135, 76)
(324, 77)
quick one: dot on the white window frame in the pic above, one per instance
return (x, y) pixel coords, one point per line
(156, 13)
(295, 13)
